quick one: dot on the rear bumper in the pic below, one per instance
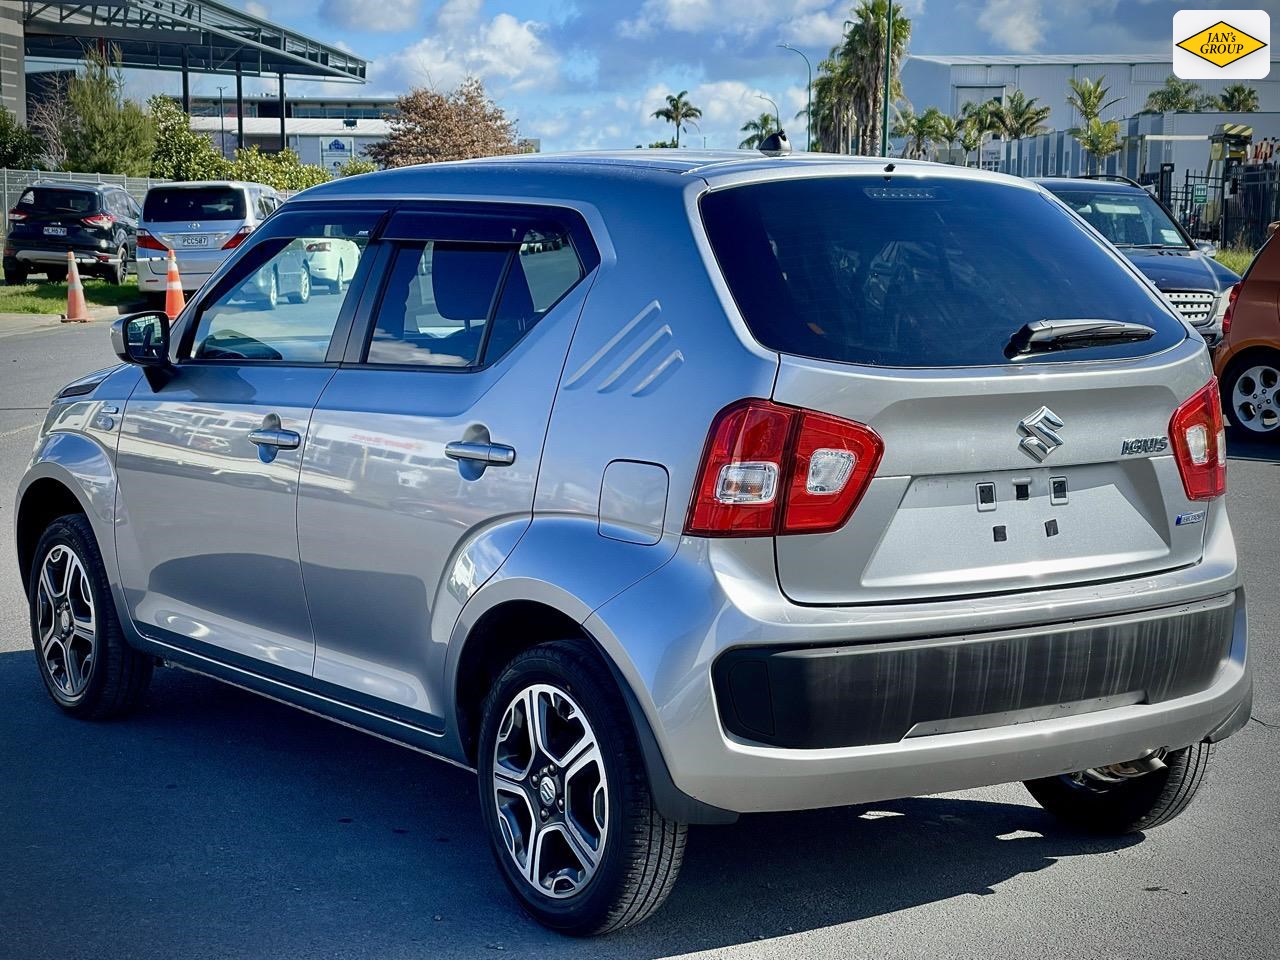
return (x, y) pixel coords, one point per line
(153, 274)
(39, 259)
(914, 699)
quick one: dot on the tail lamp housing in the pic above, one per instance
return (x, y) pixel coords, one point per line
(1200, 444)
(99, 221)
(318, 246)
(770, 469)
(1232, 296)
(146, 241)
(16, 214)
(237, 238)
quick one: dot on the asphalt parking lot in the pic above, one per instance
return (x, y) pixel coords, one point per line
(218, 824)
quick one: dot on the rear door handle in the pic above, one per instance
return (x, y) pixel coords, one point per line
(280, 439)
(494, 454)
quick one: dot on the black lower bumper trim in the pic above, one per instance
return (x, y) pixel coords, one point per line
(810, 698)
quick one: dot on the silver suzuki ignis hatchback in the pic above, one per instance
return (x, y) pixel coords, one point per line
(663, 487)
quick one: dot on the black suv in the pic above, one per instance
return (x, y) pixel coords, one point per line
(96, 222)
(1151, 237)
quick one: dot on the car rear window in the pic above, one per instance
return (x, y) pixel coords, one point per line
(166, 204)
(53, 200)
(919, 271)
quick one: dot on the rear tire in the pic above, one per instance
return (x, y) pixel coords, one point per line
(56, 274)
(304, 287)
(15, 277)
(120, 272)
(1128, 806)
(88, 668)
(560, 817)
(1251, 396)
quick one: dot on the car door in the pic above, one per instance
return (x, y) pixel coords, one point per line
(419, 472)
(208, 461)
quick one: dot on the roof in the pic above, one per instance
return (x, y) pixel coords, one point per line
(545, 174)
(209, 36)
(72, 185)
(1087, 183)
(1040, 59)
(195, 184)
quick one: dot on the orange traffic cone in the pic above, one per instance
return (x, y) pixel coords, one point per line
(174, 300)
(77, 309)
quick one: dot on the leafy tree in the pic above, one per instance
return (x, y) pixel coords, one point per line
(1100, 139)
(108, 133)
(356, 166)
(457, 125)
(658, 145)
(180, 152)
(919, 131)
(1238, 98)
(1020, 116)
(283, 170)
(1179, 96)
(949, 131)
(1089, 98)
(756, 131)
(679, 112)
(971, 137)
(848, 93)
(20, 149)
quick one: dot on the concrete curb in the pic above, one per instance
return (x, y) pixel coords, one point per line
(95, 313)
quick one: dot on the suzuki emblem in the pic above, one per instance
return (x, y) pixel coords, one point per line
(1039, 433)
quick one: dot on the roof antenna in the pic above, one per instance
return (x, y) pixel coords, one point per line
(775, 144)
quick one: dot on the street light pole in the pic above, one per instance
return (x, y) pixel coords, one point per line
(222, 122)
(777, 113)
(808, 127)
(888, 64)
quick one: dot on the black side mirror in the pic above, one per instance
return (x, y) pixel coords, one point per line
(142, 338)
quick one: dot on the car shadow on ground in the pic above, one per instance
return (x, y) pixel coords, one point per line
(219, 824)
(1243, 447)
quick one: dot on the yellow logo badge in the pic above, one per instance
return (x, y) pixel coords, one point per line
(1221, 44)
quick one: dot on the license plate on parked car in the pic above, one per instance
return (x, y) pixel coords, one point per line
(55, 231)
(195, 240)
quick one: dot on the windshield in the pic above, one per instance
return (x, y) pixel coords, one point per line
(168, 204)
(919, 271)
(1131, 218)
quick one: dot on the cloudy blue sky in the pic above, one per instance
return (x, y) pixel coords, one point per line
(587, 73)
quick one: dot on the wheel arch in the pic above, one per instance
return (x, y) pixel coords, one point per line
(43, 501)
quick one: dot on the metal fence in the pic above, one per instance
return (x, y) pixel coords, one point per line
(13, 182)
(1233, 209)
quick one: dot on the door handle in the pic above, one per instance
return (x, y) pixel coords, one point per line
(494, 454)
(281, 439)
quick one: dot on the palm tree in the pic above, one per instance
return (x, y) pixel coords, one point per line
(1089, 98)
(757, 130)
(971, 137)
(680, 112)
(919, 131)
(949, 131)
(1179, 96)
(1100, 139)
(1238, 98)
(979, 119)
(1020, 117)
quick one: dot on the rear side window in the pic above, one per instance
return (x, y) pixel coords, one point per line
(167, 204)
(918, 272)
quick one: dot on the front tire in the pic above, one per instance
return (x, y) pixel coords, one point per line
(565, 798)
(1128, 805)
(88, 668)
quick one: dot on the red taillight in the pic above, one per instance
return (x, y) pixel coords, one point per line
(1200, 444)
(147, 242)
(237, 238)
(1232, 296)
(321, 246)
(770, 469)
(100, 221)
(16, 214)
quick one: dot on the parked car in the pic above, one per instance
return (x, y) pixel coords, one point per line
(1248, 359)
(1146, 233)
(98, 223)
(201, 222)
(331, 261)
(867, 481)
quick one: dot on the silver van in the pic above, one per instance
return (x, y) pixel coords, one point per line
(201, 222)
(662, 487)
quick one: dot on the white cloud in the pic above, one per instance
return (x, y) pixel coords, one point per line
(507, 53)
(383, 16)
(259, 10)
(455, 15)
(1017, 25)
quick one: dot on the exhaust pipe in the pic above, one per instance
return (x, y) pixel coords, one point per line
(1117, 772)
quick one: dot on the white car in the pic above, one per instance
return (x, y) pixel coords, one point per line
(331, 260)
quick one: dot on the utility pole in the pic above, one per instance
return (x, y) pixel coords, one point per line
(222, 122)
(776, 113)
(888, 65)
(808, 127)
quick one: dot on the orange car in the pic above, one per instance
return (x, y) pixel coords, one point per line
(1247, 361)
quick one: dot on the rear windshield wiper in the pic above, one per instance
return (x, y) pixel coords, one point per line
(1040, 336)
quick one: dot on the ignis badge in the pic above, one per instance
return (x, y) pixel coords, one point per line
(1221, 44)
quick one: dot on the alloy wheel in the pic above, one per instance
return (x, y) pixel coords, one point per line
(66, 621)
(1255, 399)
(550, 790)
(304, 285)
